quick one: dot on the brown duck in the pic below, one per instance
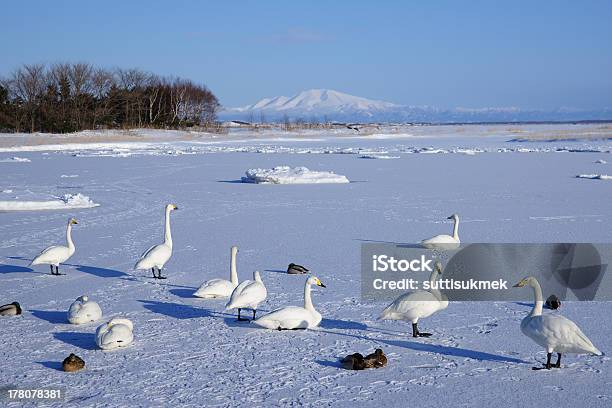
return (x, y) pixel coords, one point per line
(73, 363)
(357, 361)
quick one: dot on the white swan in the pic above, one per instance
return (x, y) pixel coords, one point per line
(83, 310)
(552, 331)
(294, 317)
(115, 333)
(444, 240)
(158, 255)
(57, 254)
(216, 288)
(416, 305)
(248, 295)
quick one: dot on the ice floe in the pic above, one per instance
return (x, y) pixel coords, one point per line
(291, 175)
(15, 159)
(595, 176)
(68, 201)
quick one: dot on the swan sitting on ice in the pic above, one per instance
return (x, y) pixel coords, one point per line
(416, 305)
(294, 317)
(83, 310)
(248, 295)
(443, 240)
(158, 255)
(115, 333)
(554, 332)
(12, 309)
(57, 254)
(216, 288)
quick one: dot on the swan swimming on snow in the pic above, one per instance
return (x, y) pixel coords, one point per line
(248, 295)
(115, 333)
(294, 317)
(554, 332)
(216, 288)
(83, 310)
(157, 256)
(444, 240)
(57, 254)
(416, 305)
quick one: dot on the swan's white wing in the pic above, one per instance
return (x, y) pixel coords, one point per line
(157, 255)
(290, 317)
(251, 294)
(411, 305)
(53, 254)
(215, 288)
(563, 334)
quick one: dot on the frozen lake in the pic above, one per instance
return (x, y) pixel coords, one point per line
(191, 351)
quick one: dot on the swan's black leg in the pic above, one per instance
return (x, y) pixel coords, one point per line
(558, 363)
(547, 366)
(254, 311)
(417, 333)
(51, 266)
(153, 270)
(240, 319)
(159, 275)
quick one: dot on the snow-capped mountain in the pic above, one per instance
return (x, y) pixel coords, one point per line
(324, 104)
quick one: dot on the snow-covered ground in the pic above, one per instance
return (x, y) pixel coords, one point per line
(190, 351)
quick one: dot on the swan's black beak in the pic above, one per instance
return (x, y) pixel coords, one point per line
(322, 285)
(449, 218)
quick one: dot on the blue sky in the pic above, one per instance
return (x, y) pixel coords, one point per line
(530, 54)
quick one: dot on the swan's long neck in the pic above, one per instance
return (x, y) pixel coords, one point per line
(233, 273)
(538, 301)
(69, 237)
(308, 299)
(167, 234)
(456, 229)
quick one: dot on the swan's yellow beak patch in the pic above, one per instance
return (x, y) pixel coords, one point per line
(319, 283)
(520, 284)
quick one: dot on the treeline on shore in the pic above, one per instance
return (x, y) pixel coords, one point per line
(68, 97)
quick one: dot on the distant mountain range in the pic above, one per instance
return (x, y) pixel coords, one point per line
(324, 104)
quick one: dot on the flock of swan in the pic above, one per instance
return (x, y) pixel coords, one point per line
(553, 332)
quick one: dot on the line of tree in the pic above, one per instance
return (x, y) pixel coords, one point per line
(68, 97)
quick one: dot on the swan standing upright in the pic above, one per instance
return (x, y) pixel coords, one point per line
(157, 256)
(248, 295)
(444, 240)
(416, 305)
(216, 288)
(294, 317)
(57, 254)
(554, 332)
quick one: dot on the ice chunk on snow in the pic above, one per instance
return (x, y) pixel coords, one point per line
(15, 160)
(291, 175)
(595, 176)
(600, 161)
(69, 175)
(68, 201)
(377, 156)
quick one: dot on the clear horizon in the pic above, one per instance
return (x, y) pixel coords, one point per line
(532, 55)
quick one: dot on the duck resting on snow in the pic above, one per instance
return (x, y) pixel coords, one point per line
(295, 269)
(248, 295)
(554, 332)
(12, 309)
(219, 288)
(416, 305)
(57, 254)
(157, 256)
(444, 240)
